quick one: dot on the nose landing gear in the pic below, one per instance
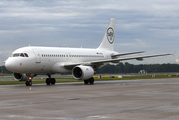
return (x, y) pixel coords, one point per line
(29, 82)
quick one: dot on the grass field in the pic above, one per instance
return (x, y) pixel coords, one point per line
(38, 80)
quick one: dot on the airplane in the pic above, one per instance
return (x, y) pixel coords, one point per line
(82, 63)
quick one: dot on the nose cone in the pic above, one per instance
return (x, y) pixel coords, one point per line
(9, 64)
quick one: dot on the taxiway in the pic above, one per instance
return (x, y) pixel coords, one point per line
(105, 100)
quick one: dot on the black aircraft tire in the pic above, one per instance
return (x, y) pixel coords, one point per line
(26, 83)
(30, 83)
(53, 81)
(48, 81)
(91, 81)
(86, 82)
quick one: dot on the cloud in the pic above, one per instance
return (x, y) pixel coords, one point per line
(136, 43)
(141, 25)
(4, 55)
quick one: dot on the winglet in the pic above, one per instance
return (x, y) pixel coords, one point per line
(174, 54)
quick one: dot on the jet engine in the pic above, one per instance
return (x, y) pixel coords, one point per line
(81, 72)
(20, 77)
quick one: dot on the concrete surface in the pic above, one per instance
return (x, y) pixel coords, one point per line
(106, 100)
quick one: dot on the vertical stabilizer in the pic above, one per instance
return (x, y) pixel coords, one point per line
(108, 39)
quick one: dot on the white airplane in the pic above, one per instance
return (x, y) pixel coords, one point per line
(82, 63)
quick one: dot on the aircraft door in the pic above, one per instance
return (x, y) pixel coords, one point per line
(37, 55)
(68, 57)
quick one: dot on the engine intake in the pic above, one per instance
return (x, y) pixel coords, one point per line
(82, 72)
(20, 77)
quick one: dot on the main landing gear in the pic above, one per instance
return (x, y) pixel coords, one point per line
(89, 81)
(51, 81)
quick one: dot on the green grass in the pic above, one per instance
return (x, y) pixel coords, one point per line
(141, 77)
(6, 74)
(62, 80)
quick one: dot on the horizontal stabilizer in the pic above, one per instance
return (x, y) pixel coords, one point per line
(118, 55)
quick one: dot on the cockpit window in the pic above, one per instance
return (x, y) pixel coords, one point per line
(16, 55)
(20, 55)
(26, 54)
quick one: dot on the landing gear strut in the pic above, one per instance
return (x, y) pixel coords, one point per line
(89, 81)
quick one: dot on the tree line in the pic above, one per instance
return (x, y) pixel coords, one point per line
(128, 68)
(4, 70)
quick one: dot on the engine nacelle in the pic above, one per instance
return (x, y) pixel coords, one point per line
(20, 77)
(82, 72)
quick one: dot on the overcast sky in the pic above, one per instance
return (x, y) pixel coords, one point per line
(141, 25)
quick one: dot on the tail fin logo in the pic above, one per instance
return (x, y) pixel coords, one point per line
(110, 35)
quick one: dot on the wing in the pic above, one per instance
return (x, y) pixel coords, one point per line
(102, 62)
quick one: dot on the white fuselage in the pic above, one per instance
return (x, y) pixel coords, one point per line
(52, 59)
